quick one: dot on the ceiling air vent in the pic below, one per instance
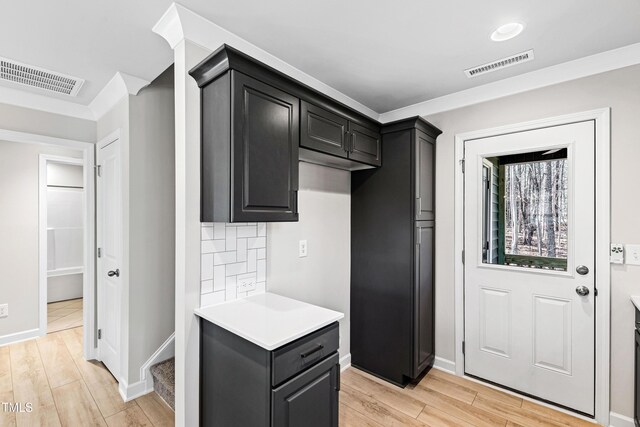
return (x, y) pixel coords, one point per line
(40, 78)
(518, 58)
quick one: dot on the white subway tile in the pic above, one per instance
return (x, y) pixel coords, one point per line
(219, 230)
(241, 249)
(207, 232)
(219, 277)
(230, 288)
(246, 231)
(206, 286)
(210, 246)
(206, 267)
(236, 268)
(252, 259)
(231, 238)
(262, 270)
(256, 242)
(221, 258)
(262, 229)
(212, 298)
(262, 253)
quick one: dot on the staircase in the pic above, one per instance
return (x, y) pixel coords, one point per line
(164, 381)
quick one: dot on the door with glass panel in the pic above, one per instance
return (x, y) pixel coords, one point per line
(529, 263)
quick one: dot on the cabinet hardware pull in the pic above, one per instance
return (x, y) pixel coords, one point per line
(310, 352)
(353, 143)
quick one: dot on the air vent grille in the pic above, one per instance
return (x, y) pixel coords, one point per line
(500, 64)
(40, 78)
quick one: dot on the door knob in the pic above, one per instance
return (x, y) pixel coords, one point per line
(117, 273)
(582, 290)
(582, 270)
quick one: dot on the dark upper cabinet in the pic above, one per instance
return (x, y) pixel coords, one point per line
(392, 252)
(257, 123)
(365, 145)
(265, 138)
(425, 176)
(249, 153)
(323, 130)
(327, 132)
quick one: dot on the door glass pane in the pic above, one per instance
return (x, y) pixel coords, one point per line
(525, 210)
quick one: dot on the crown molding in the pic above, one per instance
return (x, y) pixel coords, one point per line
(589, 65)
(179, 23)
(120, 85)
(34, 101)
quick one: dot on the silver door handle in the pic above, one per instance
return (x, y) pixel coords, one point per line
(115, 272)
(582, 290)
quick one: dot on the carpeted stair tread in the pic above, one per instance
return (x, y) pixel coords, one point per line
(164, 381)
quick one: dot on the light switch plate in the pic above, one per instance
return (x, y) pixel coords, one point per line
(4, 310)
(616, 253)
(302, 248)
(633, 254)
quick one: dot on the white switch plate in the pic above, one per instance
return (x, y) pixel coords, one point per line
(302, 248)
(4, 310)
(616, 253)
(633, 254)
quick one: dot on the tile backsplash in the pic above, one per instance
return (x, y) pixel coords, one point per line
(234, 261)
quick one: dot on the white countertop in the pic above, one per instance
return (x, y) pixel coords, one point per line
(269, 320)
(635, 299)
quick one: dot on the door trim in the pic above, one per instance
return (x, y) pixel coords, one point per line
(88, 152)
(602, 118)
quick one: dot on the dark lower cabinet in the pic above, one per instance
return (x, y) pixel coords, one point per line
(244, 385)
(392, 252)
(310, 399)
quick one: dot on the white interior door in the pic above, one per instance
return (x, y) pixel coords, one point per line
(528, 323)
(110, 244)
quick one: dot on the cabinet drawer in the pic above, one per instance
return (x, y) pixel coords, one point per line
(300, 355)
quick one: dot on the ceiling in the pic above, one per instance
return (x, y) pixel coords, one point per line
(383, 54)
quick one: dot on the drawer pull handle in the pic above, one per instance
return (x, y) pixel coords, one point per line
(310, 352)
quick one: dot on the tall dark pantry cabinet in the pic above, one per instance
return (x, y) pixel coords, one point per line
(392, 238)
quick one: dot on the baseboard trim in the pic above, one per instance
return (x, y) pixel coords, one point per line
(445, 365)
(345, 362)
(19, 336)
(129, 392)
(618, 420)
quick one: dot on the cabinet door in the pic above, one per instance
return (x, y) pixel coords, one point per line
(636, 405)
(310, 399)
(323, 131)
(364, 145)
(264, 159)
(424, 347)
(425, 177)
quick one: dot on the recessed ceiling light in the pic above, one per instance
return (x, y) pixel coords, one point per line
(507, 31)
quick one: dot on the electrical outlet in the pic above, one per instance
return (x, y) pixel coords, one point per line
(633, 254)
(246, 284)
(4, 310)
(616, 254)
(302, 248)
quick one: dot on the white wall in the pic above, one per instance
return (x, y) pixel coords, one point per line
(19, 257)
(619, 90)
(324, 276)
(151, 220)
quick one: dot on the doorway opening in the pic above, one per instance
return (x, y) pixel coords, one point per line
(63, 209)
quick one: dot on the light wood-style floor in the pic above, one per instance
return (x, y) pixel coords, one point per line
(440, 399)
(64, 315)
(66, 390)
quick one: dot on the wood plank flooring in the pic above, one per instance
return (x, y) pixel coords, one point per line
(440, 399)
(65, 390)
(63, 315)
